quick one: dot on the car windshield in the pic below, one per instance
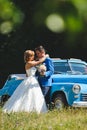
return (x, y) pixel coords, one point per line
(79, 67)
(70, 67)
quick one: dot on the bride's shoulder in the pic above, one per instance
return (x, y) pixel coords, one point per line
(28, 66)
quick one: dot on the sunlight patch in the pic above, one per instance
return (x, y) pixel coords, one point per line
(55, 23)
(6, 27)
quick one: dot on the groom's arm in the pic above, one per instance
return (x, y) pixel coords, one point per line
(50, 67)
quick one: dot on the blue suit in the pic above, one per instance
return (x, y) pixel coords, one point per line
(46, 80)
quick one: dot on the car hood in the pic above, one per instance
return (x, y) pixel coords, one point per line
(70, 78)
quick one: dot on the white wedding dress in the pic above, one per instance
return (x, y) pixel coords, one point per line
(27, 97)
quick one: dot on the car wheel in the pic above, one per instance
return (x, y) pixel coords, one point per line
(4, 98)
(59, 101)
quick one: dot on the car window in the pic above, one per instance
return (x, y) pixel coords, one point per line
(61, 67)
(79, 67)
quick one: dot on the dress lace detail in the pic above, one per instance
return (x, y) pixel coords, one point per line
(27, 97)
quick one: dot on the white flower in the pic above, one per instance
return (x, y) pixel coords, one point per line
(42, 67)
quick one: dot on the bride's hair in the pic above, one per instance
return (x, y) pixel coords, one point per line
(28, 55)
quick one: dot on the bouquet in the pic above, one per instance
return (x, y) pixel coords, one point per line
(42, 69)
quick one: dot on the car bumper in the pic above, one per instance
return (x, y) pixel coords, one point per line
(79, 104)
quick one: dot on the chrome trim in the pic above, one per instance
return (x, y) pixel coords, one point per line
(79, 104)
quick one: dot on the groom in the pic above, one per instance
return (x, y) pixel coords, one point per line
(45, 80)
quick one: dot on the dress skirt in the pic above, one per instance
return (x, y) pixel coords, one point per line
(27, 97)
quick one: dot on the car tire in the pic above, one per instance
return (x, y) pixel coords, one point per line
(4, 98)
(59, 101)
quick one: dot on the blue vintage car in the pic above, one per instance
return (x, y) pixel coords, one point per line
(69, 86)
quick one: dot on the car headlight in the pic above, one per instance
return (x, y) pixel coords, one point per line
(76, 88)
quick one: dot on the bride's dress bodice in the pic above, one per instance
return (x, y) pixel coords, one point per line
(31, 71)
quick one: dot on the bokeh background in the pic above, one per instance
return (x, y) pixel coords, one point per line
(59, 25)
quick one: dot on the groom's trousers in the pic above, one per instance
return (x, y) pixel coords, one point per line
(45, 91)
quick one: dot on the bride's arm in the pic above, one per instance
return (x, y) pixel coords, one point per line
(34, 63)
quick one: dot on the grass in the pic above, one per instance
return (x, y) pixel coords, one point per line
(66, 119)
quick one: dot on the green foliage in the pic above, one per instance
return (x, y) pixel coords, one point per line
(10, 16)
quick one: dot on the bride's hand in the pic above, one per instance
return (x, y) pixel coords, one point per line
(47, 55)
(42, 73)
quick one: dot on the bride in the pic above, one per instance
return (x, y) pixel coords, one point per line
(28, 96)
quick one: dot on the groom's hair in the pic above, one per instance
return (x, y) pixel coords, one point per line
(40, 49)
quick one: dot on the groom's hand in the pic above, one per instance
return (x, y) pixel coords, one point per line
(42, 73)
